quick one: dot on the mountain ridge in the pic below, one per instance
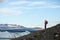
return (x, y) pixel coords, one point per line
(48, 34)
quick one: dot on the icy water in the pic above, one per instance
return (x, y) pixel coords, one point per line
(5, 35)
(4, 39)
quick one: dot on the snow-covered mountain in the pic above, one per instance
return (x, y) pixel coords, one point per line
(15, 27)
(11, 25)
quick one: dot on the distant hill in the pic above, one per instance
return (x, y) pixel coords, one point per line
(52, 33)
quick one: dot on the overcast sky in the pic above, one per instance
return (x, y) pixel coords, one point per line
(30, 13)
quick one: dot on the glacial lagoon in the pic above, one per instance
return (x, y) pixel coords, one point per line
(7, 36)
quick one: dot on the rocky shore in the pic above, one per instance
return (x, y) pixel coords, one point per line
(52, 33)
